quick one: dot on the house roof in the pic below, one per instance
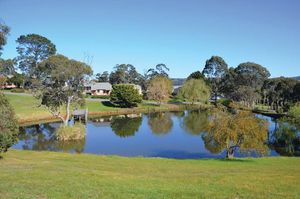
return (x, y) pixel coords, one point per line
(99, 86)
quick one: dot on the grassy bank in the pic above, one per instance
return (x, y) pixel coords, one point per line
(27, 174)
(28, 111)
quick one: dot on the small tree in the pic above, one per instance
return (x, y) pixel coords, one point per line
(8, 125)
(195, 90)
(239, 131)
(61, 84)
(159, 88)
(125, 95)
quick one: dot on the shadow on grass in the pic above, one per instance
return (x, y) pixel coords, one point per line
(235, 160)
(108, 104)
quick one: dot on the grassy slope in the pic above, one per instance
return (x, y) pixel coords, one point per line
(27, 174)
(27, 110)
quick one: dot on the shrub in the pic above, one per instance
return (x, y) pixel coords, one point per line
(75, 132)
(8, 125)
(125, 96)
(17, 90)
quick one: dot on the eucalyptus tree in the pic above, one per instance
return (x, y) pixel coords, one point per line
(62, 84)
(249, 79)
(196, 75)
(32, 50)
(215, 70)
(7, 66)
(125, 74)
(4, 30)
(159, 70)
(102, 77)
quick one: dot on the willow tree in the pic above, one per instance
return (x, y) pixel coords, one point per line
(62, 84)
(195, 90)
(241, 131)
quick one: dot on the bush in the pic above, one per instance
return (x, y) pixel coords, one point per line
(8, 125)
(17, 90)
(294, 111)
(125, 96)
(75, 132)
(100, 97)
(225, 102)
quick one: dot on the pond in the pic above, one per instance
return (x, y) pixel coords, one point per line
(169, 134)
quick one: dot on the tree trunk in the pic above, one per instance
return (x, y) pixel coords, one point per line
(67, 112)
(230, 153)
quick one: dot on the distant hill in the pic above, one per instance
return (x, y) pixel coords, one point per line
(297, 78)
(178, 81)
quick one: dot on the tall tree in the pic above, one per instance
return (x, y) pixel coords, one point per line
(195, 90)
(159, 70)
(62, 84)
(125, 74)
(7, 67)
(214, 70)
(159, 89)
(32, 50)
(4, 30)
(102, 77)
(196, 75)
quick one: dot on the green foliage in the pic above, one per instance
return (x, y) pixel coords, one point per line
(33, 49)
(125, 74)
(62, 84)
(67, 133)
(225, 102)
(159, 70)
(4, 30)
(215, 70)
(102, 77)
(125, 126)
(196, 75)
(159, 88)
(125, 96)
(294, 111)
(195, 90)
(7, 67)
(17, 79)
(8, 125)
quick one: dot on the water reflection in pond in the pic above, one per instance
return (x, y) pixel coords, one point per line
(170, 134)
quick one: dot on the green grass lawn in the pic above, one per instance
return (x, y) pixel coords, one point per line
(27, 174)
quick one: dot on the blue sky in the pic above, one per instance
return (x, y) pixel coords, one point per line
(180, 33)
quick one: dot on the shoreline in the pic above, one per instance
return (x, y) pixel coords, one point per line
(125, 111)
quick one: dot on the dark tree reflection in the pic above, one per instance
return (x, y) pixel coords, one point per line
(160, 123)
(125, 126)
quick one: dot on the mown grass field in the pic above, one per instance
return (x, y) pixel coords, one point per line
(27, 108)
(27, 174)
